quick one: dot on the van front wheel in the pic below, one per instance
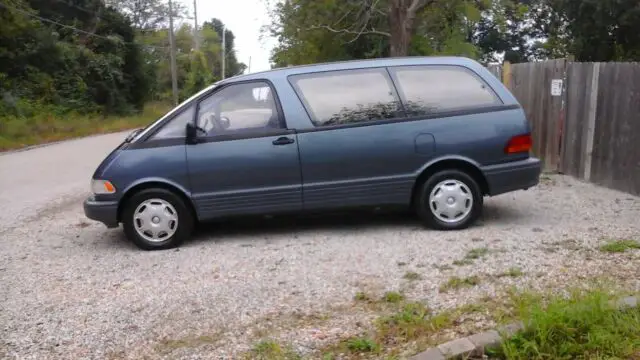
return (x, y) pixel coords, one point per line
(156, 219)
(449, 200)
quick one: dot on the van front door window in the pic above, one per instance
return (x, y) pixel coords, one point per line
(238, 107)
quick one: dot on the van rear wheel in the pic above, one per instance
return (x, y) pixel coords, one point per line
(156, 219)
(449, 200)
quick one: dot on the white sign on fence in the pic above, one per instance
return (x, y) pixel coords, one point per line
(556, 87)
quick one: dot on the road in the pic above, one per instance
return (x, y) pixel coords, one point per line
(72, 289)
(49, 176)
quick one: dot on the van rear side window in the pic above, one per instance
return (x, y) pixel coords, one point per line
(348, 96)
(433, 89)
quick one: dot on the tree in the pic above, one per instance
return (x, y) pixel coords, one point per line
(400, 16)
(233, 66)
(598, 30)
(147, 15)
(314, 31)
(90, 62)
(513, 30)
(402, 21)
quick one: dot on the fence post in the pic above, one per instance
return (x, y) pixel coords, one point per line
(506, 74)
(591, 121)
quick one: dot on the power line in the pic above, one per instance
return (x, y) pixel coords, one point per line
(71, 27)
(107, 5)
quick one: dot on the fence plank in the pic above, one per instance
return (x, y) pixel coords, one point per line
(531, 84)
(616, 149)
(599, 140)
(572, 135)
(591, 121)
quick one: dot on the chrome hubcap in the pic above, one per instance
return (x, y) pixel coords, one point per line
(155, 220)
(451, 201)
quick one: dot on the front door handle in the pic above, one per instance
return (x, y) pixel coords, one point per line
(283, 141)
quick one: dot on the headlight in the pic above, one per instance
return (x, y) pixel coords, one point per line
(102, 187)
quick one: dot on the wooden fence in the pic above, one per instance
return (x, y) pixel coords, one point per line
(585, 118)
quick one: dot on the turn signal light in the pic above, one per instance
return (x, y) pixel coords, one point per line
(519, 144)
(102, 187)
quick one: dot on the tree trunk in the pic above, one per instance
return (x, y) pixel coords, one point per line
(401, 24)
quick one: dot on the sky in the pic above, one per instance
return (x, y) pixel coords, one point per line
(244, 18)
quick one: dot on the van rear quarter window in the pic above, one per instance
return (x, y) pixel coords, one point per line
(432, 89)
(348, 96)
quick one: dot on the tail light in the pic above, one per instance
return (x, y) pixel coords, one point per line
(519, 144)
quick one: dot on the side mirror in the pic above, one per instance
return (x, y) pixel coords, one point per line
(191, 132)
(132, 135)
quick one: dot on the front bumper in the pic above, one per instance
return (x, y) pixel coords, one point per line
(105, 212)
(513, 176)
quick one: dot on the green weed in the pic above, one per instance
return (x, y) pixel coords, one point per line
(271, 350)
(477, 253)
(412, 275)
(580, 326)
(620, 246)
(392, 297)
(512, 272)
(455, 283)
(361, 344)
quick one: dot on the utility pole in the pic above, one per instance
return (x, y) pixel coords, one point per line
(249, 68)
(172, 43)
(196, 35)
(224, 50)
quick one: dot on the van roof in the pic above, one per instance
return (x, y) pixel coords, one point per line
(356, 64)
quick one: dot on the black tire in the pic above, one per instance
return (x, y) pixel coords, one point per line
(185, 221)
(423, 208)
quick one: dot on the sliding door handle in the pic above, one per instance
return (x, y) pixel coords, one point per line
(283, 141)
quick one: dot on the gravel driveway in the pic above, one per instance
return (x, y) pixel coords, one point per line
(70, 288)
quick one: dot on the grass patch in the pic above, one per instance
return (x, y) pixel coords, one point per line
(271, 350)
(462, 262)
(443, 267)
(408, 324)
(392, 297)
(361, 296)
(411, 276)
(477, 253)
(18, 132)
(354, 345)
(361, 345)
(455, 283)
(471, 256)
(512, 272)
(620, 246)
(583, 325)
(402, 330)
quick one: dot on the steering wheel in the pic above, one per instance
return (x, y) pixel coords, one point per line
(211, 122)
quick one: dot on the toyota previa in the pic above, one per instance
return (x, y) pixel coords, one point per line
(436, 134)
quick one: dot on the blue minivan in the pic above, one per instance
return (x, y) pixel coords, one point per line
(436, 134)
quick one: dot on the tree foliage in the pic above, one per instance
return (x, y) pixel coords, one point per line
(92, 56)
(599, 30)
(489, 30)
(323, 30)
(54, 64)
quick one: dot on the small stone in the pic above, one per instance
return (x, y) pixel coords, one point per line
(630, 301)
(457, 348)
(511, 329)
(431, 354)
(537, 229)
(489, 338)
